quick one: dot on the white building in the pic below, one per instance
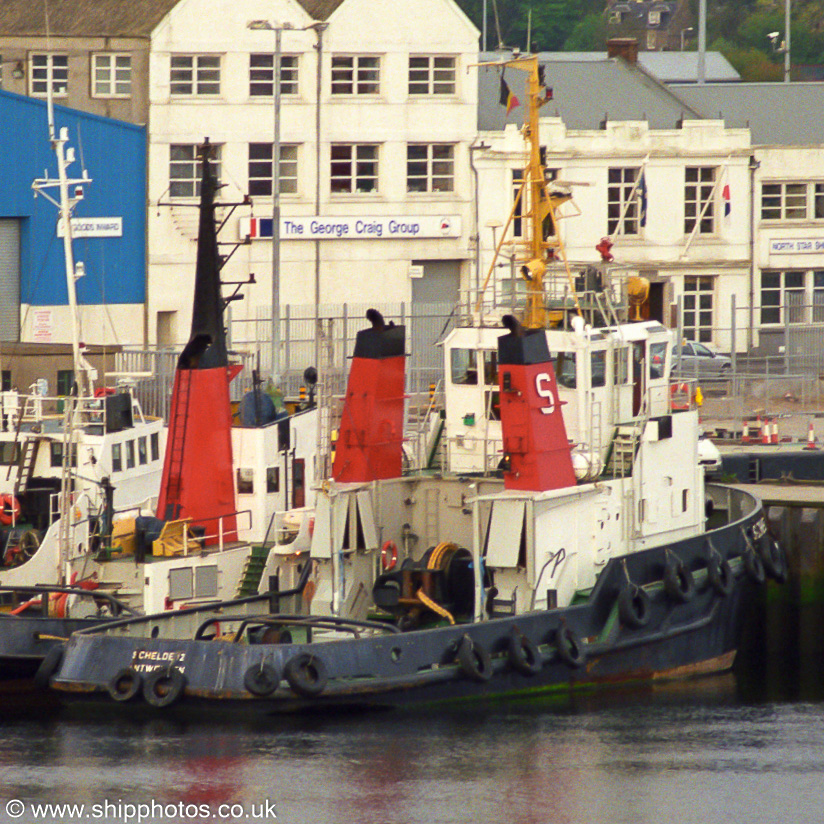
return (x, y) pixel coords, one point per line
(386, 213)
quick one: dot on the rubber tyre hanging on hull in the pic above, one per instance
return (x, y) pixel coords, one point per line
(678, 581)
(570, 647)
(125, 685)
(775, 562)
(634, 606)
(261, 679)
(306, 675)
(754, 567)
(163, 687)
(48, 667)
(524, 656)
(720, 576)
(474, 661)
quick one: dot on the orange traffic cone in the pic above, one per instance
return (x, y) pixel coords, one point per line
(811, 438)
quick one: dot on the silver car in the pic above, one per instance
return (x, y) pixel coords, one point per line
(694, 359)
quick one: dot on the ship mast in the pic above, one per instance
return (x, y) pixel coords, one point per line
(542, 243)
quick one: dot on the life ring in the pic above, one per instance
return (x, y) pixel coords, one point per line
(523, 655)
(306, 674)
(678, 581)
(48, 667)
(773, 557)
(389, 555)
(261, 679)
(720, 575)
(125, 685)
(10, 509)
(473, 660)
(569, 646)
(679, 391)
(634, 606)
(754, 566)
(163, 687)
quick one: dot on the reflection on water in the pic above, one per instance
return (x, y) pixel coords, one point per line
(691, 752)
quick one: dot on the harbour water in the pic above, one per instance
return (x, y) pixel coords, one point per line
(697, 752)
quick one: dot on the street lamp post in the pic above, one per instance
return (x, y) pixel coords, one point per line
(276, 64)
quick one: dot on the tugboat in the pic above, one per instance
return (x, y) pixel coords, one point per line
(576, 543)
(132, 532)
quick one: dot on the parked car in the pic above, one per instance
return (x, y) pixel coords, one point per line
(696, 360)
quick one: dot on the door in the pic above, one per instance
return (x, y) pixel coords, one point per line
(298, 483)
(10, 280)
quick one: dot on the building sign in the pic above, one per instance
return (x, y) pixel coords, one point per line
(42, 325)
(403, 227)
(94, 227)
(797, 246)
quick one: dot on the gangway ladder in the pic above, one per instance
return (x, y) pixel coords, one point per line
(25, 466)
(177, 444)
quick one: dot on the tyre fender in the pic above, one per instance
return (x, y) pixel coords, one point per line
(163, 687)
(473, 660)
(48, 667)
(720, 575)
(306, 674)
(524, 656)
(570, 647)
(125, 685)
(261, 679)
(634, 606)
(678, 581)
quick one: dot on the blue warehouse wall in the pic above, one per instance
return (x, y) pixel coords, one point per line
(114, 154)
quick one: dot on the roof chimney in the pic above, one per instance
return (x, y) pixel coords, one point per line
(623, 47)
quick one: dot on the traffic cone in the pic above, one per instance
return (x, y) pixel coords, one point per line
(774, 431)
(765, 431)
(811, 438)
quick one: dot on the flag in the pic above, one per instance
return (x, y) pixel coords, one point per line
(507, 98)
(642, 192)
(725, 194)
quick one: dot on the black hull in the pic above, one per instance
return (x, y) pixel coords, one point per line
(589, 643)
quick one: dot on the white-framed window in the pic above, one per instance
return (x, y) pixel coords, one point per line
(260, 169)
(431, 74)
(40, 74)
(354, 168)
(195, 75)
(792, 200)
(111, 75)
(430, 167)
(793, 296)
(620, 183)
(519, 203)
(186, 169)
(261, 72)
(698, 192)
(356, 74)
(699, 292)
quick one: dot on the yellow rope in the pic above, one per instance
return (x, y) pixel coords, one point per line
(435, 607)
(437, 554)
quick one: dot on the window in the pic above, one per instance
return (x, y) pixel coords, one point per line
(623, 213)
(185, 169)
(792, 201)
(111, 75)
(40, 74)
(260, 169)
(195, 75)
(354, 168)
(142, 454)
(355, 75)
(792, 297)
(5, 380)
(272, 479)
(65, 381)
(206, 581)
(698, 299)
(56, 453)
(154, 445)
(117, 458)
(699, 210)
(9, 453)
(565, 370)
(245, 481)
(430, 167)
(464, 369)
(129, 454)
(431, 75)
(489, 358)
(261, 73)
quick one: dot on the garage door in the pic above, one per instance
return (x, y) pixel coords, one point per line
(9, 280)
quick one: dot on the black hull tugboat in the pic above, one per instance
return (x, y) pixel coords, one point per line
(568, 539)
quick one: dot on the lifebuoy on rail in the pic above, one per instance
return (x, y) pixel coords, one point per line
(679, 397)
(389, 555)
(10, 509)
